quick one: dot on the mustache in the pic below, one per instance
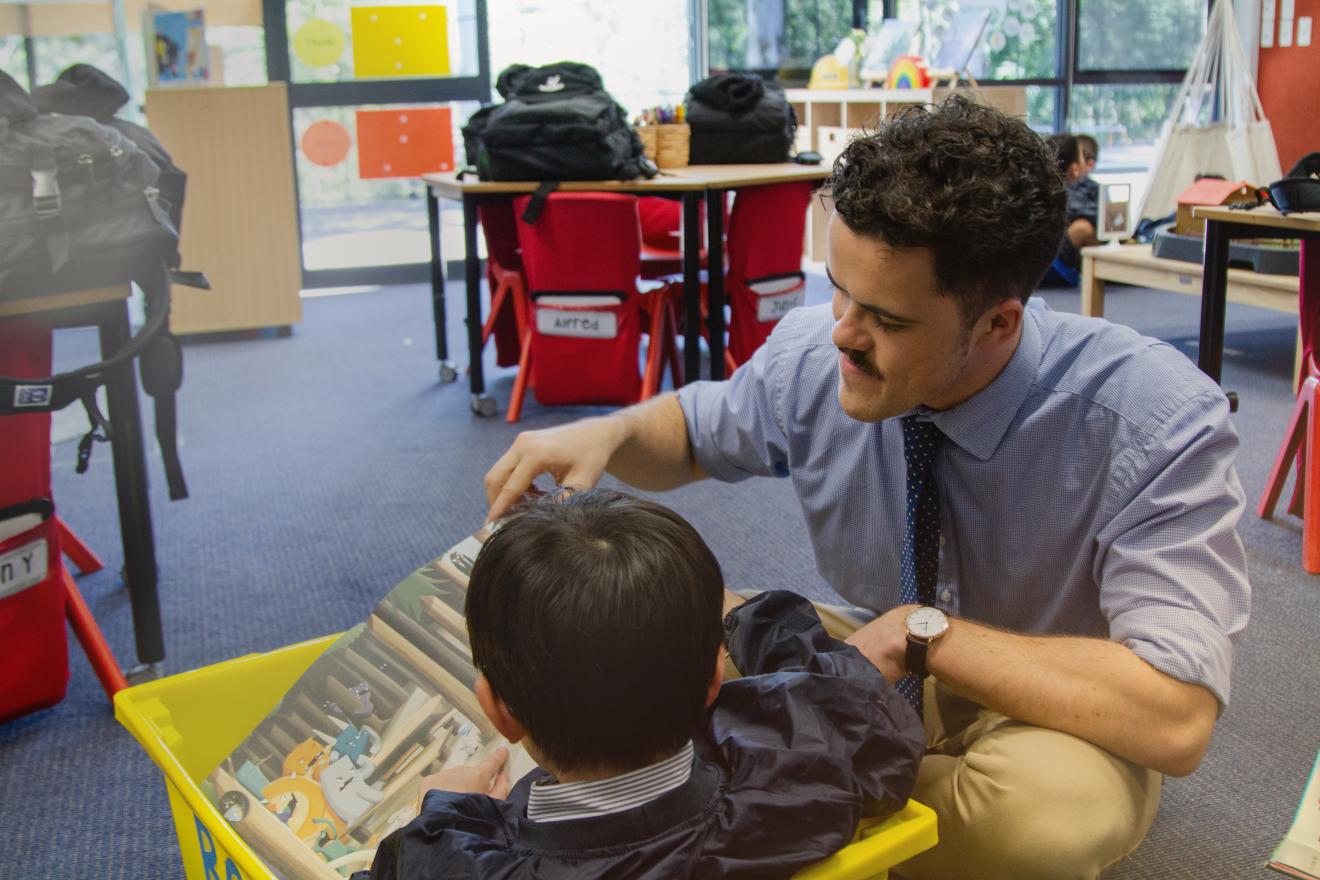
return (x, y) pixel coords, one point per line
(860, 362)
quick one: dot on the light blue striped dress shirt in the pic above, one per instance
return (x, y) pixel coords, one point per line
(1090, 489)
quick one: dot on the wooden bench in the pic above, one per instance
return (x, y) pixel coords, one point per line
(1134, 264)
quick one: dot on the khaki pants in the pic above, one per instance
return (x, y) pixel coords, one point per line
(1016, 801)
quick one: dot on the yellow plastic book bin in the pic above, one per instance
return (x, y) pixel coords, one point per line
(188, 723)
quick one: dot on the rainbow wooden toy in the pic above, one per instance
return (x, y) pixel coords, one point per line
(908, 72)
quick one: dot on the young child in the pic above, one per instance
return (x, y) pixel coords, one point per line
(595, 620)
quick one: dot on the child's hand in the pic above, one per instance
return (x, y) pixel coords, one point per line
(489, 777)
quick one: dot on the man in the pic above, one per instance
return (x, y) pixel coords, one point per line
(1056, 492)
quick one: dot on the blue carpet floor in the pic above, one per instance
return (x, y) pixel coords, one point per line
(327, 466)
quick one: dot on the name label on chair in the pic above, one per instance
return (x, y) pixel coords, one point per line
(775, 306)
(578, 324)
(23, 568)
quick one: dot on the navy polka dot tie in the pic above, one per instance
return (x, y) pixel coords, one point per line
(921, 539)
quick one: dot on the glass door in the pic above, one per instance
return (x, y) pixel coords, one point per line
(377, 92)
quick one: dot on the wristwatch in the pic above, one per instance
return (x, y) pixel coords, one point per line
(924, 625)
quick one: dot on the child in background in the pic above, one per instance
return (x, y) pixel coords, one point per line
(595, 621)
(1090, 152)
(1083, 205)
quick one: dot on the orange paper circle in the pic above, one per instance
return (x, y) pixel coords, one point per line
(326, 143)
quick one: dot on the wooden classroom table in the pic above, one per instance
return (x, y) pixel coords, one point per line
(690, 184)
(1135, 264)
(1222, 225)
(106, 309)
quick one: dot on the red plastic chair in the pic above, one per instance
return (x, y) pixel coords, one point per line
(32, 639)
(1302, 426)
(764, 279)
(662, 236)
(504, 273)
(585, 315)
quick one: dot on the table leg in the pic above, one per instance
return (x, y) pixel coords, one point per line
(692, 286)
(1214, 294)
(447, 371)
(130, 462)
(482, 404)
(1308, 287)
(1093, 289)
(715, 283)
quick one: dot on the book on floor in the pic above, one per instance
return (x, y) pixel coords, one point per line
(337, 764)
(1298, 854)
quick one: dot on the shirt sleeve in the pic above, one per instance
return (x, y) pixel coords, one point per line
(808, 698)
(735, 427)
(1171, 565)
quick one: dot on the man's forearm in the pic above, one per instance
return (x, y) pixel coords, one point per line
(1094, 689)
(653, 452)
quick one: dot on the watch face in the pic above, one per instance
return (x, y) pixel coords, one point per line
(927, 622)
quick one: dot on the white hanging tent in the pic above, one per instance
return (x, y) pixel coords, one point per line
(1216, 124)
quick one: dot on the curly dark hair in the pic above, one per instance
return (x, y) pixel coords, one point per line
(978, 188)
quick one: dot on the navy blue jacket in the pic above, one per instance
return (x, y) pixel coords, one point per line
(794, 755)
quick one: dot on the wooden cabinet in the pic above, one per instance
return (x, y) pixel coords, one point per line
(240, 215)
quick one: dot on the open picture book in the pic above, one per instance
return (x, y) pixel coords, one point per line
(337, 765)
(1298, 854)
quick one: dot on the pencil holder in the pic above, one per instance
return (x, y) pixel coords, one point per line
(647, 134)
(671, 144)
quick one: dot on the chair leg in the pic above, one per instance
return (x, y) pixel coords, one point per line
(497, 298)
(671, 343)
(79, 553)
(1288, 450)
(655, 347)
(520, 381)
(1311, 511)
(92, 639)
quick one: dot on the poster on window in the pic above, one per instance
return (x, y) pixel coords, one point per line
(400, 41)
(404, 142)
(176, 48)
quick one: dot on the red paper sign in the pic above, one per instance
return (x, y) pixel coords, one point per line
(326, 143)
(404, 142)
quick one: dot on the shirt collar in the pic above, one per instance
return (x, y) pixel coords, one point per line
(549, 801)
(979, 423)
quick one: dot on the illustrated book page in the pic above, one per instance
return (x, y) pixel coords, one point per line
(336, 766)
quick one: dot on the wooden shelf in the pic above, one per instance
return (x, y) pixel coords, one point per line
(240, 215)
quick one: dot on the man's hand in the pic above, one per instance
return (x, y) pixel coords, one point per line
(645, 446)
(575, 455)
(488, 777)
(883, 641)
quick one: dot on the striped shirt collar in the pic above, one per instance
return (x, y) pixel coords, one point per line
(557, 802)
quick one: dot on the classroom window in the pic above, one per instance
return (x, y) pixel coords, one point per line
(781, 37)
(1138, 35)
(639, 49)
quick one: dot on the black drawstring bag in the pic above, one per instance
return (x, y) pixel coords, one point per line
(1300, 190)
(739, 118)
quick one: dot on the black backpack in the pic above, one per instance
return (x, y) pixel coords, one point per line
(505, 85)
(84, 90)
(79, 206)
(739, 118)
(79, 209)
(559, 123)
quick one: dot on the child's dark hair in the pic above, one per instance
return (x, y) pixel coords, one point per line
(596, 617)
(1090, 147)
(1067, 150)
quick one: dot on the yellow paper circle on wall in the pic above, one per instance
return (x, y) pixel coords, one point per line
(319, 43)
